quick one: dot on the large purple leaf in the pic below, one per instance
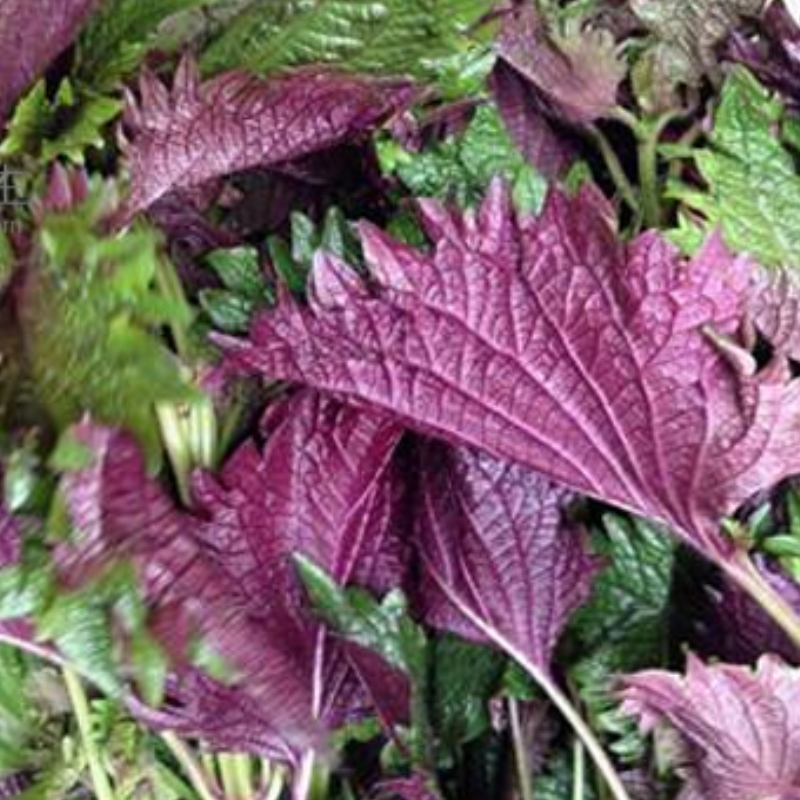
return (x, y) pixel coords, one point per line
(32, 35)
(548, 342)
(119, 512)
(739, 728)
(500, 562)
(325, 485)
(196, 132)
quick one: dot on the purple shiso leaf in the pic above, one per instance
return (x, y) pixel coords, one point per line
(548, 342)
(325, 485)
(120, 512)
(773, 55)
(32, 35)
(502, 562)
(413, 788)
(739, 728)
(501, 565)
(546, 147)
(734, 628)
(774, 311)
(199, 131)
(575, 78)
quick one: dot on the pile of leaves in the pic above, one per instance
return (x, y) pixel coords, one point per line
(399, 399)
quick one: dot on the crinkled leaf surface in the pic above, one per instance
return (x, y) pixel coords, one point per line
(546, 147)
(740, 727)
(372, 37)
(754, 189)
(687, 34)
(31, 36)
(548, 342)
(775, 311)
(500, 564)
(115, 40)
(322, 486)
(199, 131)
(575, 76)
(89, 307)
(460, 167)
(120, 513)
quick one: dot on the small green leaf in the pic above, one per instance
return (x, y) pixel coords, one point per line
(383, 627)
(465, 678)
(373, 37)
(459, 169)
(79, 626)
(239, 269)
(67, 126)
(624, 626)
(116, 38)
(228, 312)
(90, 311)
(753, 187)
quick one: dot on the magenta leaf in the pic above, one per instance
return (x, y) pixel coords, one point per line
(739, 728)
(32, 35)
(199, 131)
(120, 513)
(413, 788)
(574, 77)
(501, 563)
(546, 146)
(603, 366)
(325, 485)
(774, 311)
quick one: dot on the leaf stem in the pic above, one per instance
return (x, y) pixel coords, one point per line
(614, 167)
(520, 751)
(553, 691)
(192, 769)
(578, 771)
(304, 777)
(80, 706)
(583, 731)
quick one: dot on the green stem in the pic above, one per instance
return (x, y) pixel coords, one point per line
(579, 771)
(554, 693)
(194, 772)
(744, 572)
(614, 167)
(243, 770)
(520, 751)
(80, 707)
(303, 781)
(273, 781)
(649, 181)
(170, 286)
(230, 780)
(649, 136)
